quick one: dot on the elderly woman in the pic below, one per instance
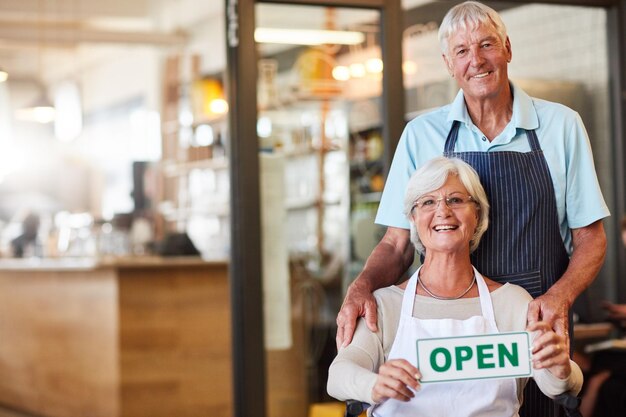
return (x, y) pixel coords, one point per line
(448, 213)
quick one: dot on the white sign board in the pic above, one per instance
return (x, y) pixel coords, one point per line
(501, 355)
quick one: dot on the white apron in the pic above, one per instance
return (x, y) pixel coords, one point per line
(484, 398)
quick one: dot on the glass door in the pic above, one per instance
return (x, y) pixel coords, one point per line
(314, 100)
(318, 93)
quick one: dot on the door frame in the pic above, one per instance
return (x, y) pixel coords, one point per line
(245, 263)
(248, 353)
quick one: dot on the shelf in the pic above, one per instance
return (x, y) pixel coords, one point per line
(183, 214)
(613, 344)
(356, 166)
(373, 197)
(173, 169)
(211, 120)
(592, 330)
(223, 210)
(299, 97)
(366, 127)
(300, 203)
(173, 127)
(412, 115)
(307, 203)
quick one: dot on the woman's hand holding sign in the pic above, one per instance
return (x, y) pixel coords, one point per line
(550, 350)
(395, 378)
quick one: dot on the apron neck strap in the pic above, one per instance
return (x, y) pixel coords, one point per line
(409, 294)
(486, 305)
(453, 135)
(485, 299)
(533, 140)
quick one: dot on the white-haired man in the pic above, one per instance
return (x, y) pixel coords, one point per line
(534, 160)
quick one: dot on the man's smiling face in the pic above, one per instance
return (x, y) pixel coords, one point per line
(478, 60)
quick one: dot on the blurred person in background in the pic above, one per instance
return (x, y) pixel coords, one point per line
(605, 392)
(26, 243)
(617, 312)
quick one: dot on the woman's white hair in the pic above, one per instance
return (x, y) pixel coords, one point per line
(469, 14)
(432, 176)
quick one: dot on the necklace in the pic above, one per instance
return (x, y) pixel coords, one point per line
(437, 297)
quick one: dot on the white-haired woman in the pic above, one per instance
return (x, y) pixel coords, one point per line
(448, 213)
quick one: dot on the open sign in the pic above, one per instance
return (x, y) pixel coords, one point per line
(500, 355)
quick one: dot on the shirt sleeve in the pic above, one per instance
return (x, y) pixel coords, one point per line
(390, 210)
(584, 201)
(352, 374)
(552, 386)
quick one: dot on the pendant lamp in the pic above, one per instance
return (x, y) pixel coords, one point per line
(40, 111)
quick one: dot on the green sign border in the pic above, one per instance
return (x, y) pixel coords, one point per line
(479, 378)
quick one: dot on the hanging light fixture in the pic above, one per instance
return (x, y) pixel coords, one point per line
(307, 36)
(41, 110)
(3, 75)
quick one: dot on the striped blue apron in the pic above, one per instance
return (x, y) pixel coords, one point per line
(523, 243)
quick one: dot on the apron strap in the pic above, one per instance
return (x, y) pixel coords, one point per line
(533, 141)
(451, 139)
(486, 306)
(409, 295)
(485, 299)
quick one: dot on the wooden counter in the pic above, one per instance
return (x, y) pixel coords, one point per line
(105, 338)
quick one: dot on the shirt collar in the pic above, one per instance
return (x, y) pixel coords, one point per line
(524, 113)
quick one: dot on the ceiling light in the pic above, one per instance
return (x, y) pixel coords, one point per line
(68, 117)
(219, 106)
(204, 135)
(341, 73)
(207, 99)
(409, 67)
(41, 111)
(374, 65)
(357, 70)
(3, 75)
(307, 36)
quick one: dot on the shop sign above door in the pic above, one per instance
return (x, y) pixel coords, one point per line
(232, 16)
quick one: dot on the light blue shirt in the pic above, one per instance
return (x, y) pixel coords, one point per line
(562, 137)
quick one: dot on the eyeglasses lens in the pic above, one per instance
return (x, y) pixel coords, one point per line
(452, 201)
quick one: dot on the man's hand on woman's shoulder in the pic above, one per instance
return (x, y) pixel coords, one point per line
(359, 302)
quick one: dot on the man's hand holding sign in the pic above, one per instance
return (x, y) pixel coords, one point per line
(550, 350)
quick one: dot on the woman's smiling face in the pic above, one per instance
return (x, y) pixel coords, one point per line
(445, 229)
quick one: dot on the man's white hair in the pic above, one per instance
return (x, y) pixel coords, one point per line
(469, 14)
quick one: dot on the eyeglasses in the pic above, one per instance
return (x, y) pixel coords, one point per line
(455, 201)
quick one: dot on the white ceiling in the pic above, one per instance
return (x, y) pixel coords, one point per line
(32, 28)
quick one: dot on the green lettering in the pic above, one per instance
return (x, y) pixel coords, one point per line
(462, 353)
(512, 356)
(482, 355)
(447, 359)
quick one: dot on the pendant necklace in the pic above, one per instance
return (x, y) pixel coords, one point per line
(438, 297)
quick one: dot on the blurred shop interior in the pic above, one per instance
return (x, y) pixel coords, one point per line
(115, 197)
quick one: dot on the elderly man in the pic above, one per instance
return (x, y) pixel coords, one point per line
(534, 160)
